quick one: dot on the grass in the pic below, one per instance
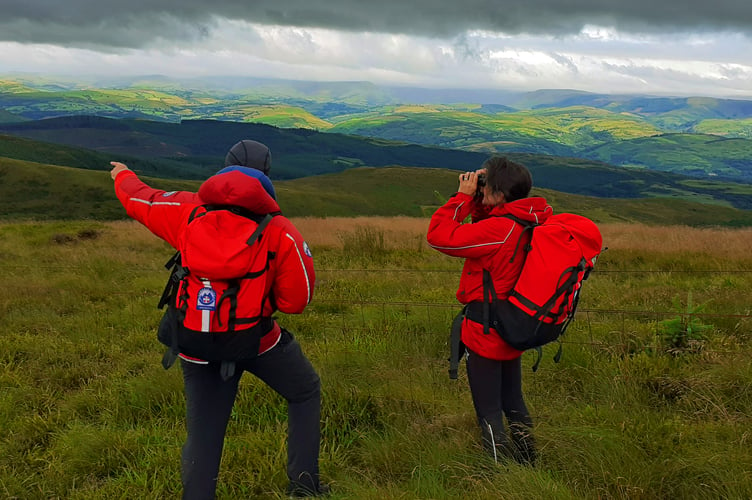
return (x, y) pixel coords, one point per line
(90, 414)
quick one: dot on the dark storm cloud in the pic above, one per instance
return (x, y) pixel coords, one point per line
(139, 23)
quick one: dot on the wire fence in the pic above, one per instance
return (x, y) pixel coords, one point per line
(367, 316)
(595, 272)
(593, 321)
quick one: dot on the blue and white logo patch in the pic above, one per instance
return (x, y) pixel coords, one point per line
(168, 193)
(307, 250)
(206, 300)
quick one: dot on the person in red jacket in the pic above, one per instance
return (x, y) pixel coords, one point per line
(488, 243)
(210, 392)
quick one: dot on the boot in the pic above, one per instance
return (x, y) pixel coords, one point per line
(523, 444)
(302, 490)
(495, 440)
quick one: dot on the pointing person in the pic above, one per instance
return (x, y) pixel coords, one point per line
(282, 280)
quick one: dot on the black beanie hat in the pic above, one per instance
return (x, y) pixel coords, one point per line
(248, 153)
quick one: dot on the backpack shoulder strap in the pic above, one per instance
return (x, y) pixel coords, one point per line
(489, 293)
(521, 222)
(259, 229)
(195, 210)
(526, 226)
(241, 211)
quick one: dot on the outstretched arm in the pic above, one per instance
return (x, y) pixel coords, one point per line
(161, 212)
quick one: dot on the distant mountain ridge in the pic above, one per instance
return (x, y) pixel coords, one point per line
(366, 94)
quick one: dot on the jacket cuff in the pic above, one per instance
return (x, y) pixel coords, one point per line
(463, 196)
(120, 177)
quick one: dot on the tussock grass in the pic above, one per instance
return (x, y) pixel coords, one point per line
(392, 232)
(90, 414)
(399, 231)
(717, 243)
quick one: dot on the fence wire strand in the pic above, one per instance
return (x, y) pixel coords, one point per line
(450, 309)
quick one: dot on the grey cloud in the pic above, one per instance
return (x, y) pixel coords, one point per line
(564, 61)
(140, 23)
(124, 31)
(468, 49)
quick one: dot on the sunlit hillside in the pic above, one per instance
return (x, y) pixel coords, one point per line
(278, 115)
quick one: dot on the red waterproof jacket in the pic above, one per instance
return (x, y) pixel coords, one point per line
(488, 243)
(166, 214)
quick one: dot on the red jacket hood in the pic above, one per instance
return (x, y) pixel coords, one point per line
(237, 188)
(534, 209)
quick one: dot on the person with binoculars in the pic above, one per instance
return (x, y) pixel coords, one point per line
(493, 196)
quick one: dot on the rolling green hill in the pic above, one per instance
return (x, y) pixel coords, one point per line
(197, 143)
(562, 123)
(560, 131)
(618, 138)
(621, 139)
(48, 192)
(277, 115)
(725, 127)
(291, 104)
(670, 114)
(57, 154)
(690, 154)
(136, 103)
(405, 191)
(195, 150)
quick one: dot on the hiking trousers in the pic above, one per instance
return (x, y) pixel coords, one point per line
(209, 401)
(496, 388)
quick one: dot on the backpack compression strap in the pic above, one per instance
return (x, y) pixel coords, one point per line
(177, 273)
(456, 347)
(488, 289)
(489, 300)
(231, 294)
(564, 289)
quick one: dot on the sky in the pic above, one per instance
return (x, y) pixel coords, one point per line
(664, 47)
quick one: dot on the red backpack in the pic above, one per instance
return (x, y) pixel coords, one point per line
(559, 256)
(218, 287)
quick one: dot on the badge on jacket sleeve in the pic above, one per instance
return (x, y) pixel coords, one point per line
(206, 299)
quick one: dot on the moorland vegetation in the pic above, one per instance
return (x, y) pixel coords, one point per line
(652, 398)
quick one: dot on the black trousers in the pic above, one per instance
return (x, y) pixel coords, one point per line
(209, 402)
(496, 388)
